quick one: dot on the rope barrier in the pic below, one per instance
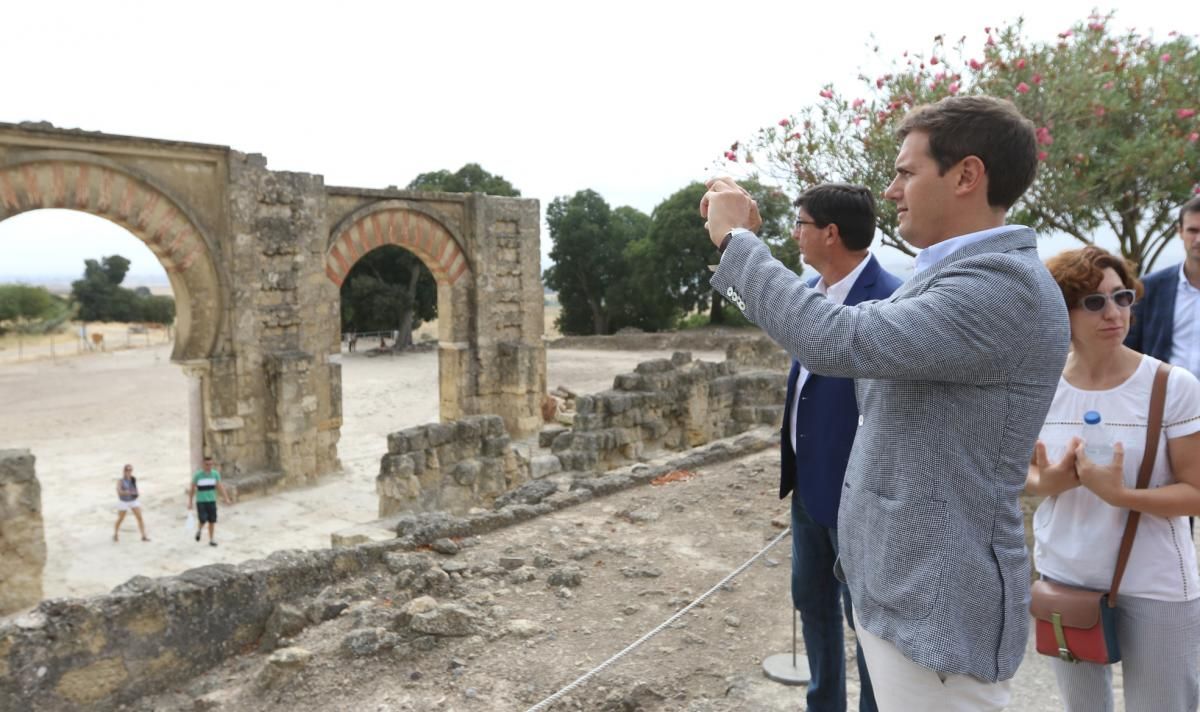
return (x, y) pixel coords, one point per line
(545, 704)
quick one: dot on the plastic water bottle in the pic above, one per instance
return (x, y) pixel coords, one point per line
(1097, 441)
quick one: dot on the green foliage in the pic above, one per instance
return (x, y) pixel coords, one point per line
(100, 296)
(1116, 112)
(589, 241)
(25, 303)
(670, 274)
(471, 178)
(388, 289)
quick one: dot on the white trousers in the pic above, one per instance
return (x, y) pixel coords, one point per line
(902, 685)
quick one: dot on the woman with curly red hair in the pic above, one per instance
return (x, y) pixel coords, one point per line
(1078, 528)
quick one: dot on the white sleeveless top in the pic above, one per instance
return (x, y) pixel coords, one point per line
(1077, 534)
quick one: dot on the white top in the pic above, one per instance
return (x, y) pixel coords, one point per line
(933, 254)
(1185, 339)
(837, 293)
(1077, 535)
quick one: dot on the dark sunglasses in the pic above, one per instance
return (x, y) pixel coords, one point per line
(1123, 298)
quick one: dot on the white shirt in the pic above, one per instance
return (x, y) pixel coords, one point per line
(933, 254)
(1185, 340)
(837, 294)
(1077, 534)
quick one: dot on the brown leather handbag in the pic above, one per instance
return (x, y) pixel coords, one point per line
(1079, 624)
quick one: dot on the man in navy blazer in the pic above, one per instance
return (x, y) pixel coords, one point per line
(1166, 320)
(834, 227)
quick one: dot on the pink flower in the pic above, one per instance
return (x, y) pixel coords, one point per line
(826, 94)
(987, 30)
(933, 85)
(1042, 155)
(795, 136)
(1020, 64)
(1185, 113)
(857, 103)
(1098, 110)
(879, 83)
(953, 88)
(1108, 85)
(991, 41)
(785, 123)
(731, 156)
(1065, 34)
(975, 64)
(1194, 136)
(1165, 57)
(1043, 137)
(1096, 26)
(933, 60)
(1022, 88)
(1037, 79)
(857, 120)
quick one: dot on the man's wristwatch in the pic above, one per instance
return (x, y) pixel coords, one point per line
(729, 236)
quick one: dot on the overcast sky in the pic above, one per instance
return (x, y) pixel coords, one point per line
(631, 99)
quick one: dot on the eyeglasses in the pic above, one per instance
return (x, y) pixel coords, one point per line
(800, 222)
(1123, 298)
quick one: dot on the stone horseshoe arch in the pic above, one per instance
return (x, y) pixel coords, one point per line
(90, 184)
(395, 222)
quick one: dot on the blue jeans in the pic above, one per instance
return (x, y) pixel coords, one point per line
(820, 598)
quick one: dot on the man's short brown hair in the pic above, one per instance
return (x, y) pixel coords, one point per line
(1191, 206)
(991, 129)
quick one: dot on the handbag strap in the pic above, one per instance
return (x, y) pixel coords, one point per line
(1158, 400)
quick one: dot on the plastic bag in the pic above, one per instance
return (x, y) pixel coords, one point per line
(189, 524)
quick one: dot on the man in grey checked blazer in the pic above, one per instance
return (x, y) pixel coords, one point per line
(955, 373)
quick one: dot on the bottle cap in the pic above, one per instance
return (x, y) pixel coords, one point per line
(1091, 417)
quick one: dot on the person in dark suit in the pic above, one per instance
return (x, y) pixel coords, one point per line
(1166, 321)
(835, 224)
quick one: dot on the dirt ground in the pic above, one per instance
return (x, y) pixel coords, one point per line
(641, 555)
(84, 417)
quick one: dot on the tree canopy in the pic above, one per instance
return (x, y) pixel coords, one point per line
(588, 253)
(1115, 111)
(26, 309)
(471, 178)
(670, 261)
(101, 297)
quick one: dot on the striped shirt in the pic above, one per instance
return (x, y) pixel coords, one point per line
(206, 485)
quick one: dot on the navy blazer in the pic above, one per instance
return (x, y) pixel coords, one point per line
(1153, 329)
(827, 419)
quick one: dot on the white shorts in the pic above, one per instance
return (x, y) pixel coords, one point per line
(126, 506)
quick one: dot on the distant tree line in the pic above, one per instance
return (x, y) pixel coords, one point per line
(26, 309)
(101, 297)
(617, 268)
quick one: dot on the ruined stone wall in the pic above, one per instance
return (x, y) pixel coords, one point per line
(758, 354)
(273, 399)
(668, 405)
(448, 467)
(511, 365)
(95, 653)
(22, 538)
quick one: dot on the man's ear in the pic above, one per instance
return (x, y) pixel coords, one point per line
(835, 235)
(972, 175)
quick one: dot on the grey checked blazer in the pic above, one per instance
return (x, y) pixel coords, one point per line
(955, 372)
